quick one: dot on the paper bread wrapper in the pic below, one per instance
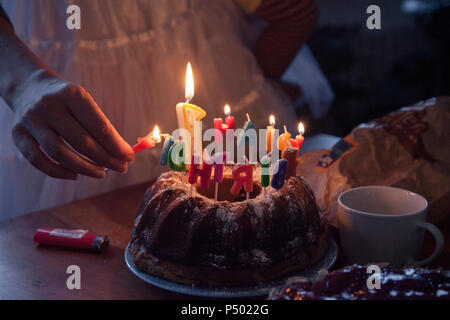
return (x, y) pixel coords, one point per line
(408, 148)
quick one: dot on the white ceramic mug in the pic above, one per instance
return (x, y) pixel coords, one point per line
(385, 224)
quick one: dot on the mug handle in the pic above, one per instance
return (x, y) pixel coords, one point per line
(439, 243)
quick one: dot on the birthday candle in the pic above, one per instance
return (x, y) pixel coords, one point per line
(219, 160)
(279, 174)
(265, 171)
(200, 169)
(220, 130)
(143, 144)
(189, 117)
(229, 119)
(299, 138)
(283, 140)
(176, 157)
(149, 141)
(243, 176)
(270, 133)
(242, 137)
(168, 143)
(291, 154)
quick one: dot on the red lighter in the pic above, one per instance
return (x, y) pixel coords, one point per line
(81, 239)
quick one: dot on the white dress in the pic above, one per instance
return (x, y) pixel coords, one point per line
(131, 56)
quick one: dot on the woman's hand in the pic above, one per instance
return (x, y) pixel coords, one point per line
(62, 132)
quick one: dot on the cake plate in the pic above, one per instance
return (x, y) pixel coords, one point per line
(264, 289)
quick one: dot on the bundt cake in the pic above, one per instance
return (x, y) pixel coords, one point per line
(190, 239)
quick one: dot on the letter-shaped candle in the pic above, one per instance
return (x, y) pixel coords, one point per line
(265, 171)
(283, 140)
(222, 128)
(168, 143)
(291, 154)
(176, 157)
(243, 176)
(279, 174)
(189, 116)
(200, 169)
(247, 125)
(219, 160)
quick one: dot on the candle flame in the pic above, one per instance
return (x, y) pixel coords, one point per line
(272, 120)
(227, 110)
(301, 128)
(156, 134)
(189, 89)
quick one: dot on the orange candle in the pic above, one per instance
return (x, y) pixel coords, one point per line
(283, 140)
(270, 133)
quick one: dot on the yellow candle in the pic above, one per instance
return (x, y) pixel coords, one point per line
(189, 117)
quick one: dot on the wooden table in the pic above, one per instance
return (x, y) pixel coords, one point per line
(28, 271)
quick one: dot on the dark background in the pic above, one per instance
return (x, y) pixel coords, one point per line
(373, 72)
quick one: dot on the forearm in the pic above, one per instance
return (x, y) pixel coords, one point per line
(17, 63)
(290, 23)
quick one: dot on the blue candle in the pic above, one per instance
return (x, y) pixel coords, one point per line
(168, 142)
(242, 137)
(279, 174)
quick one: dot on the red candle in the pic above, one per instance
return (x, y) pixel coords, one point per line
(143, 144)
(197, 169)
(293, 143)
(220, 130)
(149, 141)
(243, 176)
(229, 119)
(219, 162)
(299, 138)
